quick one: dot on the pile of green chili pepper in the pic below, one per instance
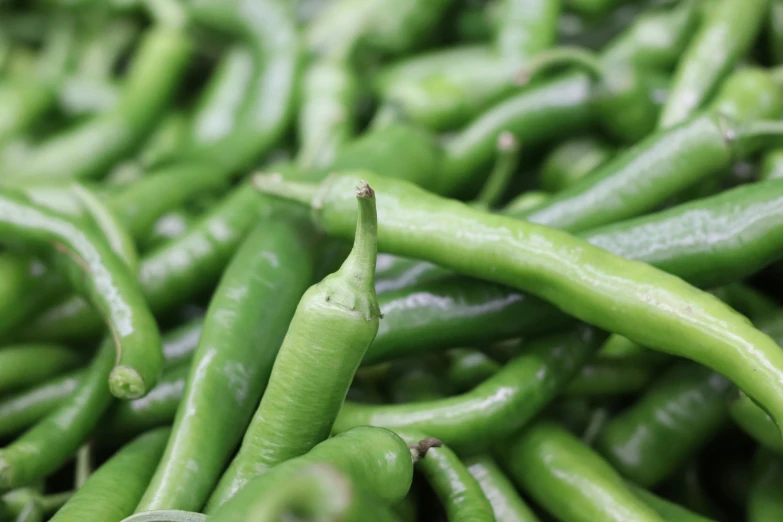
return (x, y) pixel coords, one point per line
(391, 260)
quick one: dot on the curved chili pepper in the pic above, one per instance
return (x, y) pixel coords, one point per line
(658, 433)
(233, 361)
(497, 407)
(334, 323)
(376, 458)
(724, 37)
(315, 491)
(568, 478)
(24, 366)
(113, 490)
(555, 266)
(662, 165)
(172, 273)
(88, 150)
(506, 503)
(106, 282)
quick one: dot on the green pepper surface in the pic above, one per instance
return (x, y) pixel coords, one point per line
(232, 363)
(567, 478)
(585, 281)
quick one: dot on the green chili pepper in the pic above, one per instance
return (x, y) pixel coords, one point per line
(24, 409)
(468, 368)
(458, 490)
(661, 166)
(571, 161)
(88, 150)
(167, 228)
(219, 107)
(764, 504)
(525, 202)
(233, 361)
(552, 264)
(315, 491)
(43, 448)
(723, 38)
(414, 381)
(171, 274)
(269, 30)
(507, 505)
(24, 366)
(326, 117)
(376, 458)
(568, 479)
(601, 377)
(749, 94)
(106, 282)
(667, 425)
(113, 490)
(497, 407)
(335, 322)
(158, 408)
(440, 315)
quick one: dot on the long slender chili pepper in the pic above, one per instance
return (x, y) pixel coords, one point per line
(497, 407)
(335, 322)
(376, 458)
(458, 490)
(584, 281)
(668, 510)
(661, 166)
(112, 491)
(104, 279)
(88, 150)
(568, 478)
(725, 36)
(233, 361)
(506, 502)
(171, 274)
(656, 435)
(24, 366)
(43, 448)
(571, 161)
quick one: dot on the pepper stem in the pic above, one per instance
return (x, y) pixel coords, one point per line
(562, 56)
(752, 137)
(274, 185)
(360, 263)
(505, 162)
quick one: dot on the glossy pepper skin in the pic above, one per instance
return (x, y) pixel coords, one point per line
(751, 93)
(764, 504)
(584, 281)
(317, 490)
(506, 503)
(42, 449)
(447, 313)
(725, 35)
(667, 425)
(376, 458)
(171, 274)
(640, 179)
(458, 491)
(24, 366)
(112, 491)
(269, 30)
(96, 272)
(472, 421)
(233, 361)
(334, 323)
(567, 478)
(444, 89)
(88, 150)
(22, 410)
